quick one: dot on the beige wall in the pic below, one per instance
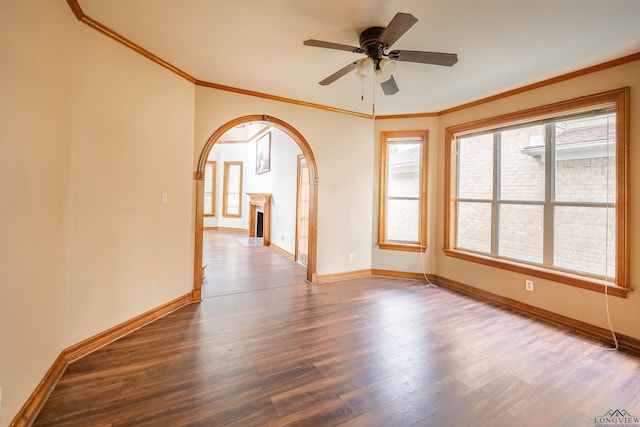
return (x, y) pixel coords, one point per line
(341, 144)
(587, 306)
(35, 139)
(132, 141)
(413, 262)
(91, 135)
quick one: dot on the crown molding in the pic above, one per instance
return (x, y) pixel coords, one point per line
(82, 17)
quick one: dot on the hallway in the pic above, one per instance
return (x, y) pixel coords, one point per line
(234, 268)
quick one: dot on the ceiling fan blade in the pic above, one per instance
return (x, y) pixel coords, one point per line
(396, 28)
(390, 87)
(436, 58)
(341, 72)
(329, 45)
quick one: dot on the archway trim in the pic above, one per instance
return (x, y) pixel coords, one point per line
(312, 275)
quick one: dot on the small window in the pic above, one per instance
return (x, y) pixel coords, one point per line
(232, 198)
(546, 195)
(403, 191)
(210, 189)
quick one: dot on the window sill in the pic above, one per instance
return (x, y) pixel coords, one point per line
(552, 275)
(402, 247)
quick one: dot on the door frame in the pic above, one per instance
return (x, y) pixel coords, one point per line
(301, 158)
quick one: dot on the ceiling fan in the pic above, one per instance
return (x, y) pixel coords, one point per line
(375, 43)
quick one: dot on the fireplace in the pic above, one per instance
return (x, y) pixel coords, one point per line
(259, 224)
(260, 216)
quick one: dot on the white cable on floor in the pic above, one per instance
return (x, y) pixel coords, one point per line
(613, 332)
(424, 270)
(423, 245)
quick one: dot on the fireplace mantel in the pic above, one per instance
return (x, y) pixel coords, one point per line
(260, 200)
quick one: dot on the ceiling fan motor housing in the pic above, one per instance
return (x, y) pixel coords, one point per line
(370, 44)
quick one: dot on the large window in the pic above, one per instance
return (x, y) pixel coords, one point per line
(543, 192)
(232, 198)
(403, 191)
(210, 189)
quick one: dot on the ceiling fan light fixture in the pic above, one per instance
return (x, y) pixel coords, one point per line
(381, 77)
(365, 66)
(388, 66)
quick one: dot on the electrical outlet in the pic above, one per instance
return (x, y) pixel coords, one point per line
(528, 285)
(154, 287)
(351, 257)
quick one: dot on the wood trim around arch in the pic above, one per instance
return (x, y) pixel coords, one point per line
(312, 275)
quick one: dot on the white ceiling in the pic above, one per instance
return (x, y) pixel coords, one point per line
(257, 44)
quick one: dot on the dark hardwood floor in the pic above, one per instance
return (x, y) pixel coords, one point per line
(264, 348)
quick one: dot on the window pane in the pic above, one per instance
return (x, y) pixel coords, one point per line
(522, 165)
(521, 232)
(403, 175)
(208, 178)
(233, 204)
(474, 226)
(475, 157)
(208, 189)
(233, 184)
(585, 166)
(233, 179)
(208, 203)
(403, 220)
(585, 240)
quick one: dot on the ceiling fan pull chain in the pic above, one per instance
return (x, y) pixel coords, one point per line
(373, 96)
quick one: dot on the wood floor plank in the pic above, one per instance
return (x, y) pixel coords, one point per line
(308, 395)
(330, 412)
(369, 397)
(403, 411)
(265, 348)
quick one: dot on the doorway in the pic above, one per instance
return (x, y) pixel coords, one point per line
(310, 226)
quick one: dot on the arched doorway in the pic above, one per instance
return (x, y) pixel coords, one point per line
(311, 276)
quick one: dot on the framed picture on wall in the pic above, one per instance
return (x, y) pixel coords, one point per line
(263, 154)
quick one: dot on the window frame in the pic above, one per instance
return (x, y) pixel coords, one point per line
(225, 207)
(618, 97)
(214, 176)
(383, 243)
